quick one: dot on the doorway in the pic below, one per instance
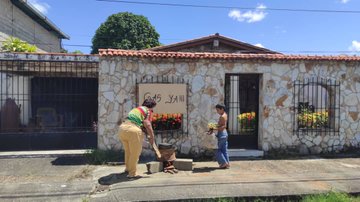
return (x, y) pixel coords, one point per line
(242, 102)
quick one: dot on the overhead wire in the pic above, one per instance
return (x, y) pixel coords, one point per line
(280, 51)
(221, 7)
(232, 7)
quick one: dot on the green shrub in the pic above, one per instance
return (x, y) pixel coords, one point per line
(331, 197)
(77, 52)
(100, 157)
(13, 44)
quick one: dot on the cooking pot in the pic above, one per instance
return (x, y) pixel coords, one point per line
(165, 146)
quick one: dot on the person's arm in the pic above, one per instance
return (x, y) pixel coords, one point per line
(210, 131)
(149, 130)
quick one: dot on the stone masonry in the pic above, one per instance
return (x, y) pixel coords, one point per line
(117, 87)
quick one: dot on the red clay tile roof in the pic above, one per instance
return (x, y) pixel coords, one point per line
(157, 54)
(241, 46)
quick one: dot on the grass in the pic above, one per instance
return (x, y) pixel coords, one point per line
(326, 197)
(101, 157)
(84, 200)
(331, 197)
(245, 199)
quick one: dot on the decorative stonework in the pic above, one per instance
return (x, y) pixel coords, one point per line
(49, 57)
(206, 77)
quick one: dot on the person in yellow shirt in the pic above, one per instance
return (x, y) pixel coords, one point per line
(131, 135)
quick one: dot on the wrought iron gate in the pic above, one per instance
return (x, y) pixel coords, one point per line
(242, 102)
(48, 104)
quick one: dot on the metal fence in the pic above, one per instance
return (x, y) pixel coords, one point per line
(48, 97)
(316, 105)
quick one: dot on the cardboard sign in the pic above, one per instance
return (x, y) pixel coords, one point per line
(170, 98)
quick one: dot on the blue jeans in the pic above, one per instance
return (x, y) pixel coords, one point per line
(221, 154)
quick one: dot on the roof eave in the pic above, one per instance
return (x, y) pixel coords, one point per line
(206, 39)
(39, 18)
(225, 56)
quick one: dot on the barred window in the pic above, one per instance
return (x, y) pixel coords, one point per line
(316, 102)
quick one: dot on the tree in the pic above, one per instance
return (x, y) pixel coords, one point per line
(62, 50)
(77, 52)
(125, 31)
(13, 44)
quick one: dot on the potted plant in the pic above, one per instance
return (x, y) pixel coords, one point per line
(166, 121)
(308, 119)
(247, 120)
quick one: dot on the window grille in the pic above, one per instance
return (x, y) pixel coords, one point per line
(316, 105)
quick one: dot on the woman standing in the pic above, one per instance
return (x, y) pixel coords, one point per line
(131, 135)
(222, 136)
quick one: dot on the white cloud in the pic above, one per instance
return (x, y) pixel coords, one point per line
(261, 6)
(259, 45)
(344, 1)
(249, 16)
(280, 30)
(355, 46)
(40, 6)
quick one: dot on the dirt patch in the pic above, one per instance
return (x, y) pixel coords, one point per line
(321, 185)
(100, 189)
(84, 173)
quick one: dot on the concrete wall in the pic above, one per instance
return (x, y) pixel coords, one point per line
(15, 22)
(117, 87)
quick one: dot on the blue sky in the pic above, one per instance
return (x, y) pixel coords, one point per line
(310, 33)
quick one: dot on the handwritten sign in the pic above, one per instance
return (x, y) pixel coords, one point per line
(170, 98)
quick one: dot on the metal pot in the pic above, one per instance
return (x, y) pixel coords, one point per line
(165, 146)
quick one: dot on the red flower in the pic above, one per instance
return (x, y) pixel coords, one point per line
(166, 121)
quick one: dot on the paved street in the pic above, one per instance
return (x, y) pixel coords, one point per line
(70, 179)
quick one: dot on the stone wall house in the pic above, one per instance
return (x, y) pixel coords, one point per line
(19, 19)
(335, 80)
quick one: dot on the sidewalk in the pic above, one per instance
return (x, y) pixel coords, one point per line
(70, 179)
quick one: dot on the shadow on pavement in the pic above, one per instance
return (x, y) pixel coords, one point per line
(115, 178)
(205, 169)
(69, 160)
(281, 155)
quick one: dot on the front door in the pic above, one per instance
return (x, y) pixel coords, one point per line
(242, 102)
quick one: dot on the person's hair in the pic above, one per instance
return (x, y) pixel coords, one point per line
(149, 103)
(220, 106)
